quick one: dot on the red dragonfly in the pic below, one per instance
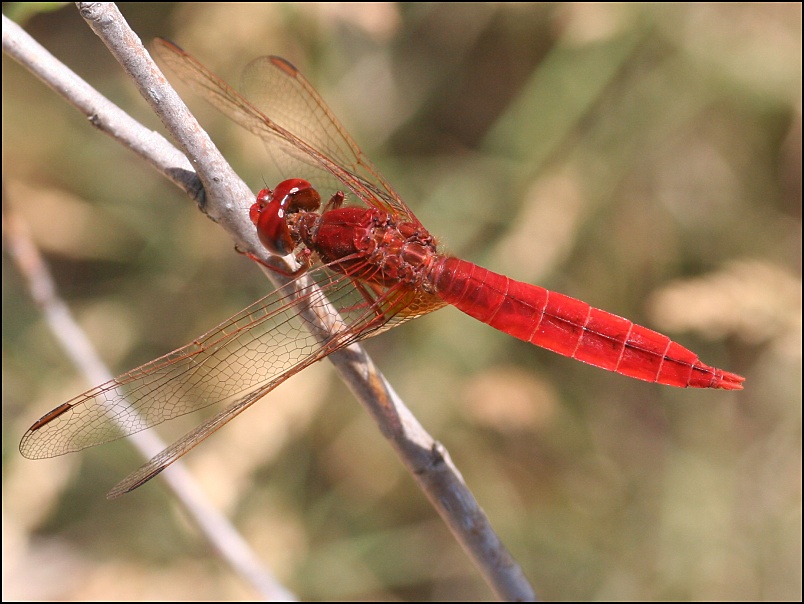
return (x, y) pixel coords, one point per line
(366, 264)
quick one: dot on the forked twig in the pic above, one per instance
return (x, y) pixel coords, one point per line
(223, 536)
(426, 459)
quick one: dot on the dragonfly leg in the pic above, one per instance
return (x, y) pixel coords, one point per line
(304, 259)
(335, 201)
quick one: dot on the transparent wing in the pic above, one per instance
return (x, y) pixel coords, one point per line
(281, 107)
(239, 360)
(245, 357)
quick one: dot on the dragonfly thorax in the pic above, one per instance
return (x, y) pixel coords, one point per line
(369, 244)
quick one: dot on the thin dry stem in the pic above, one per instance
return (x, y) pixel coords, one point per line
(425, 458)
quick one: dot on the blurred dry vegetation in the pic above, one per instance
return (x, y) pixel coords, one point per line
(643, 158)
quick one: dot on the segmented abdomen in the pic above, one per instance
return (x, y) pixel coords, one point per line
(573, 328)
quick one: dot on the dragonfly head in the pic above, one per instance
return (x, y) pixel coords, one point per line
(270, 210)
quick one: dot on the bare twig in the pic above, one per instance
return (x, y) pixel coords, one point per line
(426, 459)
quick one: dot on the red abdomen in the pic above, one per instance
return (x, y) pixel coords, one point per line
(573, 328)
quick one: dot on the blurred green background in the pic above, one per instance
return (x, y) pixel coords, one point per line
(643, 158)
